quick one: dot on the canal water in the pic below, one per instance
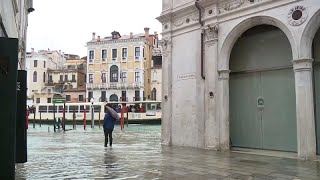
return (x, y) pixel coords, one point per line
(80, 154)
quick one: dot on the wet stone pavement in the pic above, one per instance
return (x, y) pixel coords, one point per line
(137, 154)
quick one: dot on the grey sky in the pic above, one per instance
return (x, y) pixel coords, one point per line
(68, 24)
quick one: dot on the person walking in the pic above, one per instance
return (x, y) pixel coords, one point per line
(109, 120)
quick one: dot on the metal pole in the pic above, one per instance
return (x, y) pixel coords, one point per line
(54, 111)
(54, 117)
(64, 117)
(74, 119)
(40, 118)
(92, 116)
(34, 119)
(84, 119)
(99, 118)
(127, 117)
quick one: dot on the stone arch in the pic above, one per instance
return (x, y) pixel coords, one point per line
(114, 73)
(245, 25)
(113, 98)
(305, 49)
(154, 94)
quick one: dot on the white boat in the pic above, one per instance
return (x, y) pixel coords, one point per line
(81, 111)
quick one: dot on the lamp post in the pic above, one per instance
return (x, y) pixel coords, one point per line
(92, 115)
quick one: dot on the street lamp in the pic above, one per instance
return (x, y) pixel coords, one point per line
(92, 115)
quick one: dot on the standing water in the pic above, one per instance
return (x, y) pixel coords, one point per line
(79, 154)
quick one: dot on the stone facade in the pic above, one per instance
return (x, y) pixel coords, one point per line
(195, 96)
(14, 23)
(119, 67)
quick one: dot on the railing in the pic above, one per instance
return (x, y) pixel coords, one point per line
(115, 85)
(136, 98)
(124, 99)
(103, 99)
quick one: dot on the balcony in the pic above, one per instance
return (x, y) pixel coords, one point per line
(124, 99)
(115, 85)
(136, 98)
(138, 85)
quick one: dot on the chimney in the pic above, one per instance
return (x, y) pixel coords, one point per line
(60, 52)
(131, 35)
(156, 35)
(32, 50)
(98, 39)
(93, 35)
(146, 32)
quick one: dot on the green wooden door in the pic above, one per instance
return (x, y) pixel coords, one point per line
(245, 120)
(316, 73)
(279, 113)
(262, 110)
(316, 68)
(261, 71)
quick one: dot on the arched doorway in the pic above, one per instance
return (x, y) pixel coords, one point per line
(113, 98)
(262, 91)
(316, 71)
(114, 73)
(154, 94)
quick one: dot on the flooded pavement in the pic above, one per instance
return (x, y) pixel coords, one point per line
(137, 154)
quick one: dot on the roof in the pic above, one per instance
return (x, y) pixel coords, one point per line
(123, 37)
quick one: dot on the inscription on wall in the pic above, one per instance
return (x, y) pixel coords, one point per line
(186, 76)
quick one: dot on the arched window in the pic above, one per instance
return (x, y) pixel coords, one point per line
(154, 94)
(114, 71)
(35, 78)
(44, 76)
(113, 98)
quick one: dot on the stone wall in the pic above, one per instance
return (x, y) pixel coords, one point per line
(196, 110)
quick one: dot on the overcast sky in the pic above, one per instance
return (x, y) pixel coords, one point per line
(68, 24)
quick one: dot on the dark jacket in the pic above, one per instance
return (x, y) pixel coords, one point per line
(108, 121)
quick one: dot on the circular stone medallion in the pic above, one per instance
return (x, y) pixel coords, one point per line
(297, 15)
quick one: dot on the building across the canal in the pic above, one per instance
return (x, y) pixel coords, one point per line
(242, 73)
(119, 66)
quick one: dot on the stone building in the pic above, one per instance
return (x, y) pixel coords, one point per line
(156, 74)
(67, 82)
(36, 66)
(118, 67)
(51, 73)
(14, 23)
(242, 73)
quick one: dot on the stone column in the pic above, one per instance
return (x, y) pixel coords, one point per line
(211, 59)
(305, 108)
(224, 109)
(166, 121)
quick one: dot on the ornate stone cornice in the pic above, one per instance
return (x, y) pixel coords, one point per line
(232, 5)
(116, 41)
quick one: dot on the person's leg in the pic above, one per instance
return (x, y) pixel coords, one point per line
(110, 136)
(105, 137)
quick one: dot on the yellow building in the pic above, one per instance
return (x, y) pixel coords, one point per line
(119, 67)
